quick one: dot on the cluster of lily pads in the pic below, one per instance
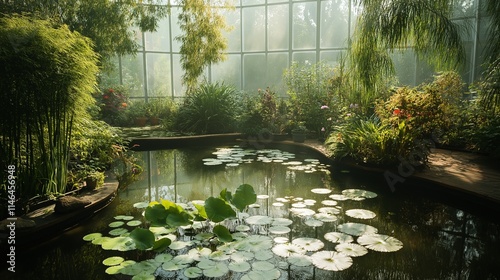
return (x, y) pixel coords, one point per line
(234, 156)
(218, 238)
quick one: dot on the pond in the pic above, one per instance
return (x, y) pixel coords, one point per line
(304, 213)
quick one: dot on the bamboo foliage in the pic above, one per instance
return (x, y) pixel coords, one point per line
(48, 73)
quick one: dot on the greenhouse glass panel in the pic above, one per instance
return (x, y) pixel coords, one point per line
(179, 88)
(254, 29)
(404, 64)
(252, 2)
(278, 31)
(176, 31)
(305, 58)
(304, 25)
(233, 20)
(464, 8)
(276, 64)
(133, 74)
(158, 74)
(228, 71)
(331, 57)
(254, 67)
(334, 23)
(159, 40)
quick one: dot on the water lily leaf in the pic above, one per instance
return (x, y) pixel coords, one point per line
(118, 231)
(183, 259)
(351, 249)
(144, 276)
(313, 222)
(329, 202)
(244, 196)
(321, 191)
(199, 253)
(240, 266)
(225, 195)
(116, 224)
(143, 238)
(331, 260)
(263, 255)
(206, 264)
(302, 212)
(112, 270)
(134, 223)
(358, 192)
(112, 261)
(380, 242)
(193, 272)
(179, 245)
(241, 256)
(356, 229)
(310, 244)
(325, 217)
(259, 275)
(329, 210)
(162, 244)
(279, 229)
(202, 214)
(339, 197)
(156, 214)
(300, 260)
(92, 236)
(120, 243)
(161, 258)
(142, 204)
(360, 214)
(338, 237)
(223, 233)
(173, 266)
(219, 256)
(242, 228)
(259, 220)
(287, 250)
(255, 243)
(218, 210)
(218, 270)
(177, 219)
(262, 265)
(281, 222)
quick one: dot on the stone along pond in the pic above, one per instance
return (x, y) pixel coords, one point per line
(306, 221)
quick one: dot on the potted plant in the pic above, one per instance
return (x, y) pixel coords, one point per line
(138, 114)
(94, 179)
(299, 133)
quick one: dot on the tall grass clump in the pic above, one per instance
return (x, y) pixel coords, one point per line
(210, 108)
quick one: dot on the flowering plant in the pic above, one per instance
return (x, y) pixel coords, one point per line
(113, 103)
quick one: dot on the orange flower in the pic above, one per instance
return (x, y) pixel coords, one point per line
(124, 104)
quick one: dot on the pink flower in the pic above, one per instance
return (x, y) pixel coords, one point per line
(323, 129)
(324, 107)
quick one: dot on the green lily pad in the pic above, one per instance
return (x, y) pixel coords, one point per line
(116, 224)
(92, 236)
(112, 261)
(118, 231)
(134, 223)
(351, 249)
(331, 260)
(380, 242)
(240, 266)
(193, 272)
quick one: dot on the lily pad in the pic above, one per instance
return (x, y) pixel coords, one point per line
(338, 237)
(321, 191)
(118, 231)
(281, 222)
(300, 260)
(259, 274)
(142, 204)
(351, 249)
(329, 210)
(240, 266)
(116, 224)
(360, 214)
(193, 272)
(262, 265)
(331, 260)
(259, 220)
(380, 242)
(339, 197)
(134, 223)
(325, 217)
(329, 202)
(358, 192)
(313, 222)
(92, 236)
(310, 244)
(287, 250)
(241, 256)
(218, 270)
(112, 261)
(356, 229)
(263, 255)
(279, 230)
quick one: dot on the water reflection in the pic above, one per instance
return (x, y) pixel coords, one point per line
(440, 241)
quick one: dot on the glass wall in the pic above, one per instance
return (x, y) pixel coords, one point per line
(267, 35)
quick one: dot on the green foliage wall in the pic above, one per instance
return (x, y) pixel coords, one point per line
(48, 73)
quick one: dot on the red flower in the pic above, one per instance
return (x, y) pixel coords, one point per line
(105, 96)
(396, 112)
(111, 90)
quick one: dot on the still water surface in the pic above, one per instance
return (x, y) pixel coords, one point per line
(439, 240)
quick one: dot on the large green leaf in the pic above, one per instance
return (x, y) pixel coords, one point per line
(202, 214)
(244, 196)
(225, 195)
(162, 244)
(156, 214)
(143, 238)
(179, 219)
(218, 210)
(223, 233)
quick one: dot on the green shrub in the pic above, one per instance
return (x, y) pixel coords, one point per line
(210, 108)
(371, 141)
(263, 113)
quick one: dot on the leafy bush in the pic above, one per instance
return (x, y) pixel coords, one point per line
(312, 101)
(263, 113)
(211, 108)
(371, 141)
(113, 104)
